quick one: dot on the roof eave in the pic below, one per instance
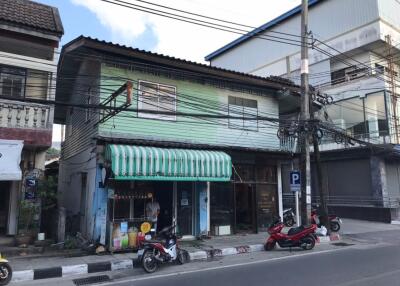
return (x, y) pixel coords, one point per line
(296, 10)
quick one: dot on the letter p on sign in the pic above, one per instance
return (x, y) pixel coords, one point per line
(295, 181)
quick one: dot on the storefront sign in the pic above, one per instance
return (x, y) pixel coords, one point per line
(10, 158)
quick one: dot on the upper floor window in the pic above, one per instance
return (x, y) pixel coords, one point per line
(361, 117)
(348, 74)
(244, 108)
(12, 82)
(158, 98)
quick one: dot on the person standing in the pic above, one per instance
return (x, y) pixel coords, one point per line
(152, 211)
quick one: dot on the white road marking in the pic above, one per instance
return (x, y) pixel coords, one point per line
(222, 267)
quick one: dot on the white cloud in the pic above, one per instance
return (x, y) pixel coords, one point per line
(180, 39)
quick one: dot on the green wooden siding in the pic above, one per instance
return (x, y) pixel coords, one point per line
(187, 129)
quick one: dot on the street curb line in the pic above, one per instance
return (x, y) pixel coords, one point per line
(79, 269)
(68, 270)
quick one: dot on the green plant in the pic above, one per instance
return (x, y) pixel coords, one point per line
(27, 211)
(47, 190)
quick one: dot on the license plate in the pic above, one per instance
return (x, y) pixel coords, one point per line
(140, 252)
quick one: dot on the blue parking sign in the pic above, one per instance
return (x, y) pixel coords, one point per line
(295, 181)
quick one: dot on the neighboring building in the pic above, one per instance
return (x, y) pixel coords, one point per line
(29, 36)
(366, 32)
(109, 167)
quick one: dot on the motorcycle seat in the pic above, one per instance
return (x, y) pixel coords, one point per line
(295, 230)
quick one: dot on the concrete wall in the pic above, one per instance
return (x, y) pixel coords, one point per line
(329, 20)
(70, 187)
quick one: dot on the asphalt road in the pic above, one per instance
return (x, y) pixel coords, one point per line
(378, 265)
(376, 262)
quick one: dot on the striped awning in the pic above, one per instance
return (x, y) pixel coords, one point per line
(149, 163)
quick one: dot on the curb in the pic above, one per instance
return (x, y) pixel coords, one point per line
(68, 270)
(79, 269)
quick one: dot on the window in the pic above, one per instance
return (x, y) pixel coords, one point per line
(375, 115)
(361, 117)
(12, 82)
(348, 74)
(379, 68)
(244, 108)
(158, 98)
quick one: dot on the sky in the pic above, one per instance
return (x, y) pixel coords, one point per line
(137, 29)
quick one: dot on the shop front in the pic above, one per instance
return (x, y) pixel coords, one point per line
(248, 202)
(177, 179)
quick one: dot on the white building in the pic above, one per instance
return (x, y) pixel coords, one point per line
(358, 69)
(29, 36)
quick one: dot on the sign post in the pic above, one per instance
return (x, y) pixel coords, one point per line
(295, 186)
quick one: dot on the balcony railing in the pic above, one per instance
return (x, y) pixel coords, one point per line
(24, 115)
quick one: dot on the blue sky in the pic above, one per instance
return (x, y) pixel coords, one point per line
(78, 20)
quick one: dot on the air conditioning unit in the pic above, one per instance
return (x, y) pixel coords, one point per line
(222, 230)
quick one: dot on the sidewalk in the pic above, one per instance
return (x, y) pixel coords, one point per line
(32, 268)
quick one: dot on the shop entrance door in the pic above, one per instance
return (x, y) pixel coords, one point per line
(185, 204)
(245, 207)
(4, 205)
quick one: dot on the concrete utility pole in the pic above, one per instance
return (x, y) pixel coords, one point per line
(305, 117)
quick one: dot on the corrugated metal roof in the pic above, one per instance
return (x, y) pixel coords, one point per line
(260, 29)
(264, 80)
(31, 14)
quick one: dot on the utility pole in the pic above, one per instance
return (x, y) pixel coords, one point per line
(305, 117)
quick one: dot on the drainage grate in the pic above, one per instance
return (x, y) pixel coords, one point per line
(91, 280)
(342, 244)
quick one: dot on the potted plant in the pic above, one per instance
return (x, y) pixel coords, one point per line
(26, 232)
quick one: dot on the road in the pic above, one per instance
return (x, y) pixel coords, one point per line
(375, 262)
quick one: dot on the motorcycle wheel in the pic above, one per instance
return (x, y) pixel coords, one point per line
(308, 243)
(335, 226)
(289, 222)
(149, 262)
(269, 246)
(181, 256)
(5, 274)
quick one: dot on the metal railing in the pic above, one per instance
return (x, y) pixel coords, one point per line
(361, 201)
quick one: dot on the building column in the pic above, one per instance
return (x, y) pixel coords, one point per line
(378, 180)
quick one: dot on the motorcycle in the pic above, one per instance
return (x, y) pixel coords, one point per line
(302, 236)
(5, 271)
(165, 249)
(334, 221)
(288, 217)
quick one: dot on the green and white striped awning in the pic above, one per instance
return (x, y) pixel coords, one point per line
(149, 163)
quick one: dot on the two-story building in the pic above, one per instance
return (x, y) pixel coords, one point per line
(142, 126)
(359, 68)
(29, 36)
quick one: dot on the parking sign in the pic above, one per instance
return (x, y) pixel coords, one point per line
(295, 181)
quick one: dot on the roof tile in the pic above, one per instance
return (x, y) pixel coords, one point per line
(31, 14)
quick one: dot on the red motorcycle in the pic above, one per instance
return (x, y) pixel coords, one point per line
(302, 236)
(334, 221)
